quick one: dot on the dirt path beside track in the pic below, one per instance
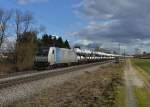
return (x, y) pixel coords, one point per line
(133, 80)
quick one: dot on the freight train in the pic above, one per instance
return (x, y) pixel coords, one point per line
(53, 56)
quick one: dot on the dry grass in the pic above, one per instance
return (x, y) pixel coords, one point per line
(143, 96)
(93, 89)
(5, 69)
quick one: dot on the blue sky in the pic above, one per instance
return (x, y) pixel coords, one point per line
(103, 22)
(56, 15)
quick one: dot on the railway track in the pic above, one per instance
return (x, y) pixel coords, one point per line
(19, 79)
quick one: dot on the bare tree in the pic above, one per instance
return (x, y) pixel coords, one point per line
(28, 20)
(10, 45)
(5, 16)
(23, 22)
(25, 46)
(18, 21)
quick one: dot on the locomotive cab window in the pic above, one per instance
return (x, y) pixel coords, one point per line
(42, 52)
(53, 52)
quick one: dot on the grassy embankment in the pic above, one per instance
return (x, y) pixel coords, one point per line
(101, 88)
(142, 94)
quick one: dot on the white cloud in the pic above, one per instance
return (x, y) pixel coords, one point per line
(84, 42)
(120, 21)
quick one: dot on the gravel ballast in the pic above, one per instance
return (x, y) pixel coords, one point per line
(25, 90)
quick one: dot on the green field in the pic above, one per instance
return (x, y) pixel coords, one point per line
(143, 64)
(142, 94)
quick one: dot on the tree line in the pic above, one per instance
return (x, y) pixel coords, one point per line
(50, 40)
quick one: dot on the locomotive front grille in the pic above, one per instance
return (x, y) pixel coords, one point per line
(41, 64)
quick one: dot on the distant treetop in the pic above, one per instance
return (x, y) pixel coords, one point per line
(50, 40)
